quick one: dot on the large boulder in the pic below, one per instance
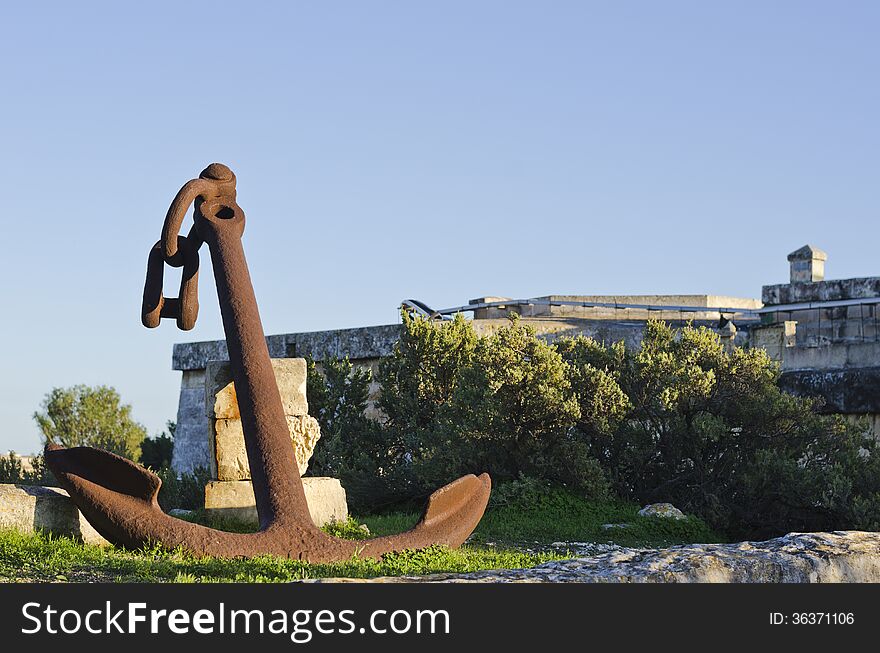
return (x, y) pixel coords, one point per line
(662, 510)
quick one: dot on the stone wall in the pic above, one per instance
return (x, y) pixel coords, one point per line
(821, 291)
(825, 334)
(819, 325)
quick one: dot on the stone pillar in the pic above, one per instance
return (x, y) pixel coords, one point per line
(190, 442)
(231, 492)
(807, 264)
(728, 335)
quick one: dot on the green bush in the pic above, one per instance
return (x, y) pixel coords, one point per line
(90, 416)
(683, 420)
(156, 452)
(352, 448)
(680, 419)
(12, 471)
(502, 403)
(186, 491)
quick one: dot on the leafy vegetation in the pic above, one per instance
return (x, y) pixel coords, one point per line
(352, 448)
(186, 491)
(681, 419)
(156, 452)
(42, 558)
(12, 470)
(90, 416)
(533, 514)
(686, 421)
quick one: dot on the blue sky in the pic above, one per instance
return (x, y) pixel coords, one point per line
(441, 151)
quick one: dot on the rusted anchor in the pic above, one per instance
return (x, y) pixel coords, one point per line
(118, 497)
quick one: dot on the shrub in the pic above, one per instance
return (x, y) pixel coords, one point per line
(458, 404)
(12, 471)
(157, 452)
(352, 448)
(421, 375)
(90, 416)
(513, 410)
(683, 420)
(680, 419)
(186, 491)
(419, 380)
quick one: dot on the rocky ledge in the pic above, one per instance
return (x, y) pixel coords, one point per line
(835, 557)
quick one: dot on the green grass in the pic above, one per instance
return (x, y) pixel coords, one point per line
(505, 539)
(556, 516)
(36, 557)
(568, 520)
(561, 517)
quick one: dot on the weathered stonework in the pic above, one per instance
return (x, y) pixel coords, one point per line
(846, 391)
(821, 291)
(30, 508)
(807, 264)
(325, 497)
(360, 343)
(774, 338)
(191, 448)
(220, 398)
(230, 462)
(228, 456)
(836, 557)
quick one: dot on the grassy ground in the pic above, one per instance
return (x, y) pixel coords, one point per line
(508, 537)
(565, 519)
(40, 558)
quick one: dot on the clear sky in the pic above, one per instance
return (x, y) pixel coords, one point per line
(441, 151)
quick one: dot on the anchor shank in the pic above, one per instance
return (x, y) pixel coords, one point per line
(278, 489)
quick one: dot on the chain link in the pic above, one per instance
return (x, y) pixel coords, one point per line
(215, 183)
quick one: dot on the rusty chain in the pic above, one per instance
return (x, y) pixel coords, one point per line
(215, 185)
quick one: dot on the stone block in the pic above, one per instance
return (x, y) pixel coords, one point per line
(229, 457)
(220, 398)
(770, 338)
(30, 508)
(193, 379)
(325, 497)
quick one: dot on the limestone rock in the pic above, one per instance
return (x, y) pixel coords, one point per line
(220, 397)
(305, 433)
(664, 510)
(29, 508)
(835, 557)
(325, 497)
(230, 457)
